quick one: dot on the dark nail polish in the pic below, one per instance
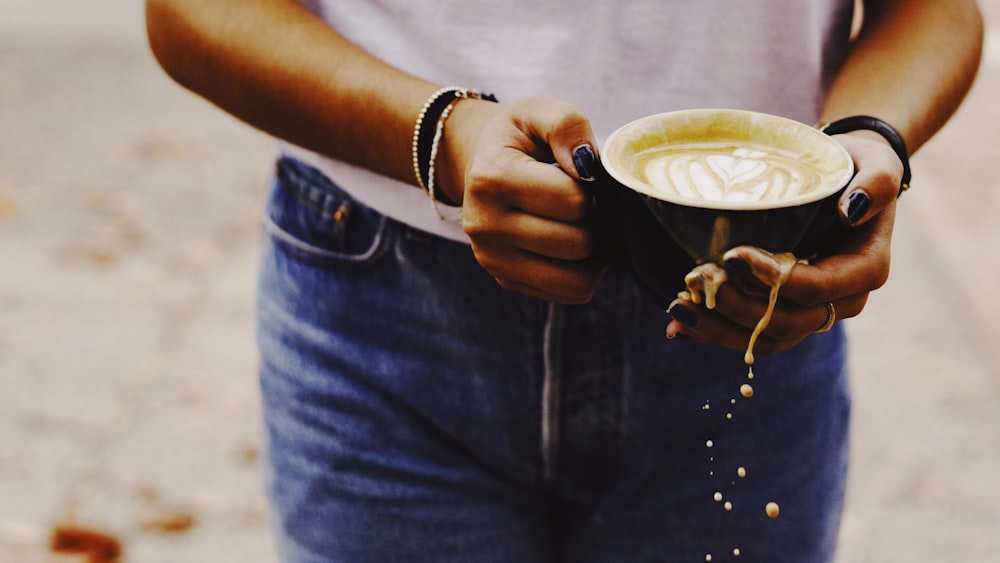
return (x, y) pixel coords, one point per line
(683, 315)
(857, 205)
(739, 266)
(585, 162)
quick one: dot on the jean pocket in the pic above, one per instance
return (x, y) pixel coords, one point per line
(311, 217)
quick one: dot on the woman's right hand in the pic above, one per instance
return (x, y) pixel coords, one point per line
(530, 222)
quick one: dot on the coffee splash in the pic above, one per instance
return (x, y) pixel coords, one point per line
(703, 283)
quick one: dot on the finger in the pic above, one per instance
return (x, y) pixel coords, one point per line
(702, 325)
(876, 182)
(514, 228)
(516, 181)
(861, 265)
(717, 331)
(563, 298)
(699, 324)
(789, 321)
(556, 280)
(565, 131)
(552, 239)
(767, 269)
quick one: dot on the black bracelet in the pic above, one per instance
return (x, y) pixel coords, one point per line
(882, 128)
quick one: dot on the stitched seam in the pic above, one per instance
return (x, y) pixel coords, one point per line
(293, 243)
(552, 351)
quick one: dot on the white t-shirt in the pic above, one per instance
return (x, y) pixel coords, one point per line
(617, 61)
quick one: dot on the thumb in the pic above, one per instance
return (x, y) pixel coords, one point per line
(876, 183)
(567, 132)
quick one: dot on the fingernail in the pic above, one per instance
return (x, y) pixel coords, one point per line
(739, 266)
(683, 315)
(585, 162)
(857, 205)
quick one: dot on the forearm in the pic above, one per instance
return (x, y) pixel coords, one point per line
(274, 65)
(912, 64)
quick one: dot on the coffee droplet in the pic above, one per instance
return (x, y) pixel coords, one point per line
(709, 444)
(729, 416)
(728, 505)
(708, 557)
(772, 509)
(736, 552)
(784, 262)
(741, 471)
(746, 390)
(717, 496)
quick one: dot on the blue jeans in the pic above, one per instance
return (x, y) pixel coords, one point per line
(416, 411)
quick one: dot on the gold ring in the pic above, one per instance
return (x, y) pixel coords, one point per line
(831, 317)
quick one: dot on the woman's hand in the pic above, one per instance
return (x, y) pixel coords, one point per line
(858, 264)
(529, 221)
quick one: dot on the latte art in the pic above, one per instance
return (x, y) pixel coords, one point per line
(728, 173)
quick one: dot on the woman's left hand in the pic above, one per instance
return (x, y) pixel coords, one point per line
(857, 265)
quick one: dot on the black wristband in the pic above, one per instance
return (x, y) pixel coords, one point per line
(882, 128)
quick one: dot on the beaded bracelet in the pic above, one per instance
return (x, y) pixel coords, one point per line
(428, 130)
(882, 128)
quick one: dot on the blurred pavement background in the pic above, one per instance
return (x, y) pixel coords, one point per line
(129, 221)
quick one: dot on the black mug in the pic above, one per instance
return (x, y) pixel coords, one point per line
(661, 236)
